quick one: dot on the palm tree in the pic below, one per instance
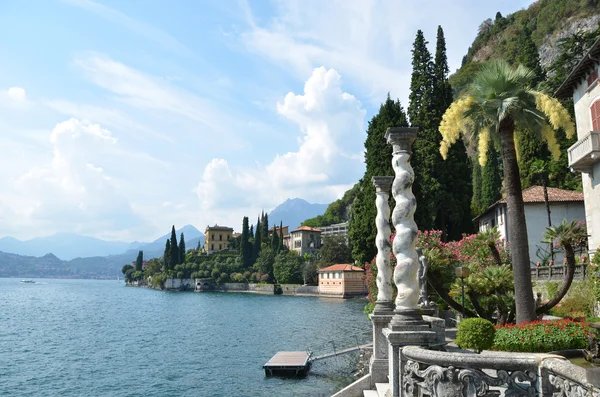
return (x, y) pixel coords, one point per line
(500, 101)
(567, 236)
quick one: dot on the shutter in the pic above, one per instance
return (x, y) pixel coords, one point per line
(595, 110)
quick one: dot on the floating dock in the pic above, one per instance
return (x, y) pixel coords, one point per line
(288, 364)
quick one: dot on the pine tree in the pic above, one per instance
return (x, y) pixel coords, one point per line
(378, 159)
(174, 250)
(181, 248)
(257, 241)
(167, 256)
(422, 114)
(245, 247)
(139, 262)
(264, 224)
(453, 215)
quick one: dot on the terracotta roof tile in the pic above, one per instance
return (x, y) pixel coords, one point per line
(343, 267)
(535, 194)
(306, 228)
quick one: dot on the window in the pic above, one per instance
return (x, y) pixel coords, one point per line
(595, 110)
(219, 246)
(220, 237)
(212, 237)
(297, 244)
(592, 78)
(212, 247)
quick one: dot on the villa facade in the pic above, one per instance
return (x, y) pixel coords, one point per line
(343, 280)
(217, 238)
(584, 156)
(304, 240)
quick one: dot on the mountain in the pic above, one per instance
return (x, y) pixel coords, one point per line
(68, 246)
(293, 212)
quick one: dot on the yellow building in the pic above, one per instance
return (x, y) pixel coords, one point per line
(342, 280)
(217, 238)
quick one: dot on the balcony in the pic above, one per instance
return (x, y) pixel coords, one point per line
(585, 152)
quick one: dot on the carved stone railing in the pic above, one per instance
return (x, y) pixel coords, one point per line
(557, 272)
(445, 374)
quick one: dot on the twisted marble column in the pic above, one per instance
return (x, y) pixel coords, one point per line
(404, 245)
(382, 241)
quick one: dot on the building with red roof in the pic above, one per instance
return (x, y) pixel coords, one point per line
(342, 280)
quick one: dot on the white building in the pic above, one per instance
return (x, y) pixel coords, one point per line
(564, 204)
(338, 229)
(584, 156)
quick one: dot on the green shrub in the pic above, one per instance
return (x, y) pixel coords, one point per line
(542, 336)
(475, 333)
(580, 300)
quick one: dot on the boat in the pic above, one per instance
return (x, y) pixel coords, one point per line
(28, 281)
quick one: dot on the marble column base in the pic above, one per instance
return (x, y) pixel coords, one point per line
(379, 361)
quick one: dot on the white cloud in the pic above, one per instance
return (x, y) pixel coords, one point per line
(73, 192)
(325, 164)
(14, 97)
(17, 94)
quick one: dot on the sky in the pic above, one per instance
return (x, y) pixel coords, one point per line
(119, 119)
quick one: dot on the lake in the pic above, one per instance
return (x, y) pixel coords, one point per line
(100, 338)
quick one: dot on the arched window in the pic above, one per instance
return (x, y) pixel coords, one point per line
(595, 110)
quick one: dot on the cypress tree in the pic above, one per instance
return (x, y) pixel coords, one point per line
(245, 247)
(139, 262)
(476, 200)
(275, 240)
(264, 224)
(527, 55)
(491, 179)
(251, 235)
(281, 237)
(174, 250)
(257, 241)
(181, 248)
(421, 112)
(167, 256)
(453, 215)
(378, 159)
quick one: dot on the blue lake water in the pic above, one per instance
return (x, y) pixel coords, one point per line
(100, 338)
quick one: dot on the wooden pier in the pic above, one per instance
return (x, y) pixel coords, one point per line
(288, 364)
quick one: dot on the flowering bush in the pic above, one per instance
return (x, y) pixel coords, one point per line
(542, 336)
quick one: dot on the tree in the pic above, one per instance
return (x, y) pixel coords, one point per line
(181, 248)
(167, 256)
(309, 270)
(334, 250)
(421, 113)
(264, 262)
(139, 261)
(257, 241)
(287, 268)
(453, 200)
(174, 249)
(251, 235)
(491, 179)
(125, 268)
(275, 239)
(527, 55)
(265, 229)
(245, 246)
(378, 159)
(539, 171)
(281, 237)
(568, 236)
(500, 102)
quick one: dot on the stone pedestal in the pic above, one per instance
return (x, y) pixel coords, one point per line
(421, 332)
(379, 367)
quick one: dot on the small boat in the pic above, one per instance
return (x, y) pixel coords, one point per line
(28, 281)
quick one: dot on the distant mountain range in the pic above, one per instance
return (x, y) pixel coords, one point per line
(74, 256)
(292, 212)
(68, 246)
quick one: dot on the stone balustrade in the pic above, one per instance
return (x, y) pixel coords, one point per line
(558, 272)
(443, 374)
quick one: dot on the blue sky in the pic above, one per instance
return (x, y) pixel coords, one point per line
(121, 118)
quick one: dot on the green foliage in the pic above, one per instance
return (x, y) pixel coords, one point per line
(167, 262)
(256, 246)
(336, 212)
(475, 333)
(174, 257)
(287, 268)
(378, 155)
(245, 246)
(158, 281)
(125, 268)
(139, 261)
(491, 179)
(181, 248)
(334, 250)
(542, 336)
(580, 301)
(265, 261)
(552, 288)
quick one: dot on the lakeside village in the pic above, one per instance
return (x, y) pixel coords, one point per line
(305, 261)
(525, 284)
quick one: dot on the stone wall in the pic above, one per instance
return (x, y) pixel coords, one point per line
(180, 283)
(267, 289)
(311, 290)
